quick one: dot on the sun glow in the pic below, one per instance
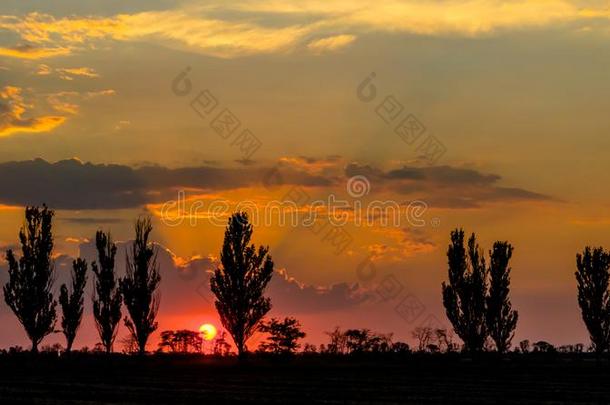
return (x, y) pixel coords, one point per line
(208, 331)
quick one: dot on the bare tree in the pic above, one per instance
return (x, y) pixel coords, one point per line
(106, 294)
(501, 318)
(444, 338)
(29, 290)
(221, 345)
(338, 342)
(240, 282)
(139, 287)
(464, 297)
(72, 302)
(425, 337)
(592, 277)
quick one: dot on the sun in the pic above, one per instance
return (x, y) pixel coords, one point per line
(208, 331)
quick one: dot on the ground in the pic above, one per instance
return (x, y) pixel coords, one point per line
(412, 379)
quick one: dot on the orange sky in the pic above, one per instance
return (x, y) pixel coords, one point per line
(96, 121)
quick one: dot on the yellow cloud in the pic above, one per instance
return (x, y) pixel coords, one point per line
(93, 94)
(12, 110)
(81, 71)
(64, 101)
(245, 31)
(44, 70)
(329, 44)
(59, 102)
(210, 36)
(31, 52)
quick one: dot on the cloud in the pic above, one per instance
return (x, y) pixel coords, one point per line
(330, 44)
(72, 184)
(185, 282)
(80, 71)
(66, 101)
(242, 28)
(444, 186)
(93, 94)
(32, 52)
(13, 108)
(60, 102)
(293, 296)
(91, 220)
(44, 70)
(402, 244)
(67, 73)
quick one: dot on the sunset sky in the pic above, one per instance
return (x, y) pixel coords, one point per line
(96, 121)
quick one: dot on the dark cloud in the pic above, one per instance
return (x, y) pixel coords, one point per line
(74, 185)
(91, 220)
(444, 186)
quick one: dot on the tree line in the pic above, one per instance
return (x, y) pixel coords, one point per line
(476, 296)
(29, 291)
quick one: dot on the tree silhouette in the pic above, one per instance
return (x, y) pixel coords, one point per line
(28, 291)
(284, 336)
(524, 346)
(592, 278)
(181, 341)
(464, 297)
(221, 346)
(240, 281)
(357, 340)
(424, 335)
(139, 287)
(106, 295)
(338, 341)
(72, 302)
(501, 318)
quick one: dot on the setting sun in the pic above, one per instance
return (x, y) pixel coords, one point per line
(208, 331)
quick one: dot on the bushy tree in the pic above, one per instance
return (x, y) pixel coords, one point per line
(240, 282)
(72, 302)
(139, 287)
(283, 336)
(592, 277)
(357, 340)
(501, 318)
(29, 290)
(464, 297)
(181, 341)
(524, 346)
(106, 295)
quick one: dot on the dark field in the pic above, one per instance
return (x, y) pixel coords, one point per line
(413, 379)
